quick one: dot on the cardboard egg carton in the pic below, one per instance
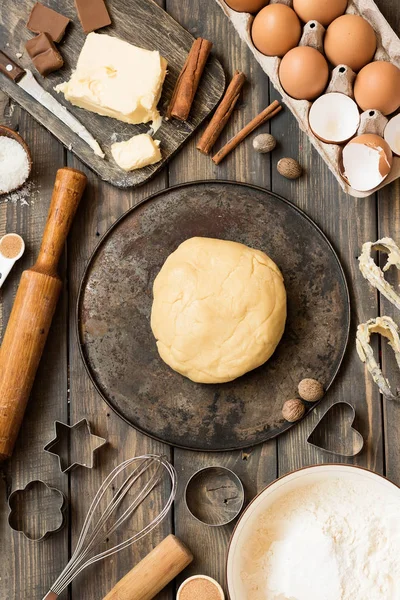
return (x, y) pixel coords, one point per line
(388, 49)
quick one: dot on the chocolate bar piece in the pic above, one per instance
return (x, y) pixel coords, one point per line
(93, 14)
(44, 54)
(46, 20)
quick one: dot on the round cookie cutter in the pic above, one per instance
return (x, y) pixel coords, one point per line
(214, 496)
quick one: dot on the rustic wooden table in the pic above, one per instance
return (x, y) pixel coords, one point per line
(63, 390)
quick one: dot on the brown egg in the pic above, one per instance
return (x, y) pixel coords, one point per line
(304, 73)
(276, 29)
(323, 11)
(250, 6)
(350, 40)
(377, 87)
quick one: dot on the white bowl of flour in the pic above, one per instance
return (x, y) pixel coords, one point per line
(328, 532)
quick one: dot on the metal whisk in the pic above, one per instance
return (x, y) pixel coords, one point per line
(106, 515)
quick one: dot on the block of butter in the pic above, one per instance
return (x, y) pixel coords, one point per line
(140, 151)
(116, 79)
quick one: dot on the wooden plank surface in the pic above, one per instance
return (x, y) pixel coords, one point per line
(63, 390)
(27, 568)
(140, 22)
(256, 466)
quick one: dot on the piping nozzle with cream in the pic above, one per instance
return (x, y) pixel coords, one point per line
(12, 247)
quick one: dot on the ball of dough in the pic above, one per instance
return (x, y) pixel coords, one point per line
(219, 309)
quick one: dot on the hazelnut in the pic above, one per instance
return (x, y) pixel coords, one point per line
(311, 390)
(293, 410)
(263, 143)
(289, 168)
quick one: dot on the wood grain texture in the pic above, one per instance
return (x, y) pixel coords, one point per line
(347, 222)
(142, 23)
(27, 570)
(33, 310)
(388, 213)
(256, 466)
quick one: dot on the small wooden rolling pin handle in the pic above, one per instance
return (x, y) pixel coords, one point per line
(68, 189)
(154, 572)
(33, 310)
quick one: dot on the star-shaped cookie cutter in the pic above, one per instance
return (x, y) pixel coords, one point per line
(74, 445)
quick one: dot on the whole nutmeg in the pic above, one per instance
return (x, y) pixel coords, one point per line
(293, 410)
(263, 143)
(289, 168)
(311, 390)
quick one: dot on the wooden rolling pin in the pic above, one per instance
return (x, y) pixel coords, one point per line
(33, 310)
(154, 572)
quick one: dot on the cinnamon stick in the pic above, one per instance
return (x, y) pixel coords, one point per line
(188, 80)
(269, 112)
(222, 114)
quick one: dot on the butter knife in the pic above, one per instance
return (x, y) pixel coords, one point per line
(27, 82)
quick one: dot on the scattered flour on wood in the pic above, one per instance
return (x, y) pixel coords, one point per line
(25, 195)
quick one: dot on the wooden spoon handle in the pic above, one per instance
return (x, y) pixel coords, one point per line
(68, 190)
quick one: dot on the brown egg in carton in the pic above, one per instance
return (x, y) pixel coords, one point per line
(341, 80)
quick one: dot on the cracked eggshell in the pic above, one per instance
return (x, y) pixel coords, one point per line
(248, 6)
(276, 30)
(366, 162)
(323, 11)
(392, 134)
(334, 118)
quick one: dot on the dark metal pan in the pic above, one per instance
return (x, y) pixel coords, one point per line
(114, 307)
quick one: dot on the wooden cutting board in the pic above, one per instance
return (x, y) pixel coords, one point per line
(140, 22)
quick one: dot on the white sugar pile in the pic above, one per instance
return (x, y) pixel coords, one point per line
(14, 164)
(333, 540)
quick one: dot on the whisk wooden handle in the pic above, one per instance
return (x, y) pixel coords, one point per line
(154, 572)
(33, 310)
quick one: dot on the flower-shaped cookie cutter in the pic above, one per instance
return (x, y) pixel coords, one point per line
(74, 445)
(37, 510)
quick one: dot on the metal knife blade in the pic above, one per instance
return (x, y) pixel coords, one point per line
(26, 81)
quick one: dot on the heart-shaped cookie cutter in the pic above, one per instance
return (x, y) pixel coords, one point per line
(326, 438)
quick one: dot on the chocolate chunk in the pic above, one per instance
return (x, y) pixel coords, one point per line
(93, 14)
(44, 54)
(46, 20)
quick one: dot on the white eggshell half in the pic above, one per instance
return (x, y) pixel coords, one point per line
(334, 118)
(392, 134)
